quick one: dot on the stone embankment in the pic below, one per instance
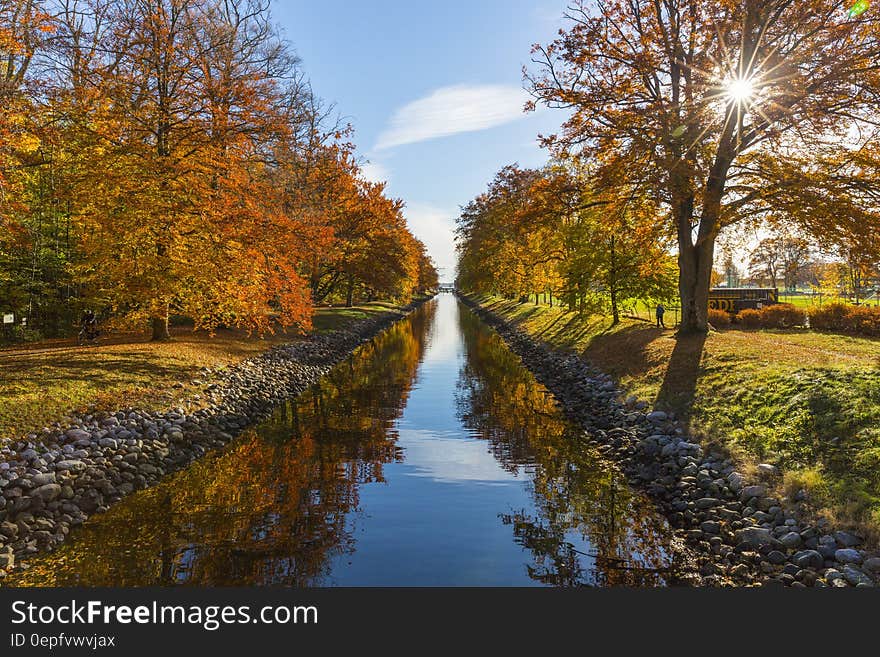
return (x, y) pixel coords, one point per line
(740, 533)
(54, 480)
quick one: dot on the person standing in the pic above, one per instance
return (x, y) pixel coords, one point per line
(660, 312)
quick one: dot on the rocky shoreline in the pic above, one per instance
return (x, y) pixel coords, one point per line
(54, 480)
(740, 534)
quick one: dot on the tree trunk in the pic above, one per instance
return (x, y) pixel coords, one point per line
(695, 258)
(695, 278)
(160, 327)
(349, 295)
(615, 311)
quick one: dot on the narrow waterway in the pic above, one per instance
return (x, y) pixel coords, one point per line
(429, 457)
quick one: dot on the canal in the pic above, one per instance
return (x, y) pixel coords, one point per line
(429, 457)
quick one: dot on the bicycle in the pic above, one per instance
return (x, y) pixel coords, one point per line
(88, 335)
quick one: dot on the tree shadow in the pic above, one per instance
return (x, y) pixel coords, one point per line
(623, 352)
(679, 385)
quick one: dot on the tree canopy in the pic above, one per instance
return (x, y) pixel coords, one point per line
(723, 112)
(169, 157)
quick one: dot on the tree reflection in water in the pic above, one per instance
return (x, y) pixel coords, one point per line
(276, 506)
(577, 495)
(281, 504)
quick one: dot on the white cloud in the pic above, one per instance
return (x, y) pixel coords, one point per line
(436, 228)
(449, 457)
(375, 172)
(451, 110)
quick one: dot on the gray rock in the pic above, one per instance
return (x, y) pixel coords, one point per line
(736, 481)
(847, 539)
(71, 465)
(752, 491)
(706, 502)
(47, 492)
(768, 470)
(855, 576)
(808, 559)
(43, 478)
(776, 557)
(791, 540)
(872, 564)
(8, 529)
(756, 537)
(657, 417)
(848, 555)
(78, 434)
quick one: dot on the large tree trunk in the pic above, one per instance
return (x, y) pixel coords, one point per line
(694, 280)
(695, 258)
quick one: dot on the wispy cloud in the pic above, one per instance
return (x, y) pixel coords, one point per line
(375, 172)
(452, 110)
(436, 228)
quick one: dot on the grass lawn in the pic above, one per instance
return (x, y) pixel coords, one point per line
(810, 301)
(806, 401)
(42, 382)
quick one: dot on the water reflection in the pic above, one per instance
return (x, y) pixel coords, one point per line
(274, 507)
(587, 527)
(430, 457)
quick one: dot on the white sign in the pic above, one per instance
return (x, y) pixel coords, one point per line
(9, 319)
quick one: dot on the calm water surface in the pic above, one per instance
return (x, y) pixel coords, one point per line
(429, 457)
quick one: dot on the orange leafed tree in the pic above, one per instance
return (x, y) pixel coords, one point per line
(728, 109)
(180, 214)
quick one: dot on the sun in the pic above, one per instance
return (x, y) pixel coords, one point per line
(740, 90)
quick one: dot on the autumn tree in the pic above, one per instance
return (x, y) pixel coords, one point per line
(24, 27)
(723, 108)
(428, 279)
(169, 157)
(550, 229)
(180, 214)
(509, 240)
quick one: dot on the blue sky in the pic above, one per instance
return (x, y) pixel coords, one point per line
(433, 90)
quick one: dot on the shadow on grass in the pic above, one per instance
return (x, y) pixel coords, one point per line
(680, 381)
(624, 352)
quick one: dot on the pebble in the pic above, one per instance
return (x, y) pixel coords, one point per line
(724, 517)
(848, 555)
(855, 576)
(58, 477)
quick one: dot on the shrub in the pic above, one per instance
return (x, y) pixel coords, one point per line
(749, 318)
(830, 317)
(719, 318)
(864, 320)
(782, 315)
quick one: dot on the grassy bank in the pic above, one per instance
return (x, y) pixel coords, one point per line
(805, 401)
(41, 383)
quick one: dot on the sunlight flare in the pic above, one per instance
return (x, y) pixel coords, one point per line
(740, 90)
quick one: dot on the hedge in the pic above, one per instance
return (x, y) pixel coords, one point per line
(834, 317)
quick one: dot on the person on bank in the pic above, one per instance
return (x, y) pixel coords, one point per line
(660, 312)
(89, 324)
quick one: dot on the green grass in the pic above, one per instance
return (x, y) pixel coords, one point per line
(43, 382)
(806, 401)
(332, 319)
(810, 301)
